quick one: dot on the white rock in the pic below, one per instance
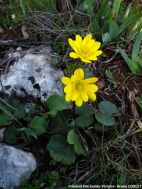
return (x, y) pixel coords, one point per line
(15, 165)
(33, 75)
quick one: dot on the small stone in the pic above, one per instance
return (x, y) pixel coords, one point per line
(15, 165)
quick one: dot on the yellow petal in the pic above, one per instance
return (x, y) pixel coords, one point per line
(91, 44)
(72, 44)
(75, 95)
(74, 78)
(66, 80)
(93, 54)
(79, 101)
(92, 88)
(92, 96)
(87, 38)
(78, 46)
(78, 38)
(93, 57)
(84, 96)
(68, 97)
(97, 45)
(91, 80)
(79, 73)
(73, 55)
(97, 53)
(68, 89)
(85, 60)
(78, 43)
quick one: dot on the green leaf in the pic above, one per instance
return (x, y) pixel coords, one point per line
(60, 150)
(106, 37)
(10, 135)
(83, 122)
(100, 128)
(113, 29)
(50, 5)
(125, 57)
(56, 103)
(38, 125)
(88, 6)
(110, 77)
(8, 113)
(28, 131)
(62, 122)
(73, 138)
(102, 9)
(127, 11)
(116, 7)
(88, 73)
(5, 119)
(106, 113)
(38, 5)
(53, 179)
(132, 64)
(131, 20)
(25, 6)
(138, 100)
(85, 110)
(95, 25)
(30, 109)
(108, 108)
(104, 119)
(138, 62)
(136, 47)
(20, 109)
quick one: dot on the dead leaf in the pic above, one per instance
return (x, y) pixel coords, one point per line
(133, 105)
(139, 124)
(24, 32)
(1, 30)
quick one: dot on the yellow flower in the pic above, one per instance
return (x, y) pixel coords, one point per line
(79, 89)
(86, 49)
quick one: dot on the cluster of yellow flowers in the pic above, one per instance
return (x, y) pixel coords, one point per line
(77, 88)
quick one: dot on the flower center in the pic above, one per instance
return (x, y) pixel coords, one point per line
(79, 86)
(84, 50)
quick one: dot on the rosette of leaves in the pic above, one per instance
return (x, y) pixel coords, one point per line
(106, 113)
(85, 115)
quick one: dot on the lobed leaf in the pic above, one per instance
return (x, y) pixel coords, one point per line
(10, 135)
(108, 108)
(56, 103)
(85, 110)
(83, 122)
(104, 119)
(38, 125)
(73, 138)
(60, 150)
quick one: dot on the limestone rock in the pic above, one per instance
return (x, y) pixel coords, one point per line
(15, 165)
(32, 74)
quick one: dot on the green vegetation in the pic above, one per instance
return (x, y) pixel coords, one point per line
(135, 63)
